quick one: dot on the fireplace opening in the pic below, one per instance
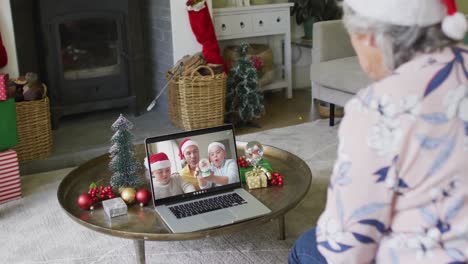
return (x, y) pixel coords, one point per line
(89, 48)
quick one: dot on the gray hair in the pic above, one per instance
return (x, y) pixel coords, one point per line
(398, 44)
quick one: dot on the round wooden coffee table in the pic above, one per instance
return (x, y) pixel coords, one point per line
(142, 224)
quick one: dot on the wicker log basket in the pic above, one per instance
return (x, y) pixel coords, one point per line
(197, 101)
(34, 129)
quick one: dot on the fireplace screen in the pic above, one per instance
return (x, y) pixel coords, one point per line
(89, 48)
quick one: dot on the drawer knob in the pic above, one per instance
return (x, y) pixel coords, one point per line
(242, 25)
(223, 27)
(278, 19)
(260, 22)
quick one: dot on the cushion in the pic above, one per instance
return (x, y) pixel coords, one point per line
(340, 74)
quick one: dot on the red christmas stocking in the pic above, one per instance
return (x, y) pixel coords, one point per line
(202, 27)
(3, 54)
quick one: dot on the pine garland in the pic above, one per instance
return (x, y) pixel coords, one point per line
(123, 164)
(244, 99)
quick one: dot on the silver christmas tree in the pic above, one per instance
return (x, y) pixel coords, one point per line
(123, 164)
(244, 99)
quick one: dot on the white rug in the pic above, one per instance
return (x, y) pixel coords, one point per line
(35, 229)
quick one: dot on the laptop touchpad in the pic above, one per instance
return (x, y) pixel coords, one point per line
(222, 217)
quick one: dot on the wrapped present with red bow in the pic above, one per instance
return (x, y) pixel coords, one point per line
(3, 86)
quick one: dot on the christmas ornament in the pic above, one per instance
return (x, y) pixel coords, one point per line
(143, 196)
(128, 195)
(254, 152)
(242, 162)
(101, 193)
(123, 164)
(204, 166)
(85, 201)
(276, 179)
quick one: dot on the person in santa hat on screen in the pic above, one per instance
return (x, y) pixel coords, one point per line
(399, 188)
(166, 183)
(190, 154)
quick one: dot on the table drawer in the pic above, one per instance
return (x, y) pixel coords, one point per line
(275, 21)
(232, 25)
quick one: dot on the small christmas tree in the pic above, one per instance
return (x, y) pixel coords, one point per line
(123, 165)
(244, 100)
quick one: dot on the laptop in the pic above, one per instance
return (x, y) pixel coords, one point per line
(186, 203)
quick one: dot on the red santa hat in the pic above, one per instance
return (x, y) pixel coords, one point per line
(415, 13)
(159, 161)
(216, 144)
(184, 145)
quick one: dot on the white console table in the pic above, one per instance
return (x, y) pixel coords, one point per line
(259, 21)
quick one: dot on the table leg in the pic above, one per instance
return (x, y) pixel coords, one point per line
(139, 250)
(282, 232)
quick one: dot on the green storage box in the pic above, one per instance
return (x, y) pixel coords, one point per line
(8, 132)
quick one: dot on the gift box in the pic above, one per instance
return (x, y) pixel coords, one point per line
(3, 86)
(262, 163)
(8, 130)
(114, 207)
(10, 185)
(256, 179)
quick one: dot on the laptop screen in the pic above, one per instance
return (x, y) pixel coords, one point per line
(192, 163)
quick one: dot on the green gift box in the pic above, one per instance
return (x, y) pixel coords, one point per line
(8, 132)
(262, 163)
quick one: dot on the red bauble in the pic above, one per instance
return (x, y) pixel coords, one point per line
(143, 196)
(85, 201)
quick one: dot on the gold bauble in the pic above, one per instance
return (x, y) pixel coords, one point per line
(128, 195)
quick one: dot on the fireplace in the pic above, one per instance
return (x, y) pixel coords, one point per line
(96, 54)
(90, 53)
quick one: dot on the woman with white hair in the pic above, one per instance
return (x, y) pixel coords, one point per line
(399, 189)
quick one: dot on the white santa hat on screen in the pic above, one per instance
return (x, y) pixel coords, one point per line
(159, 161)
(184, 145)
(216, 144)
(415, 13)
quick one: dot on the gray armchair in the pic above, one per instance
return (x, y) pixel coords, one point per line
(335, 73)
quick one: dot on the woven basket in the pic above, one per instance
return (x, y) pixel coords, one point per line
(34, 129)
(197, 101)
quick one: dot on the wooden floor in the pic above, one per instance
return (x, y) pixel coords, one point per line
(282, 112)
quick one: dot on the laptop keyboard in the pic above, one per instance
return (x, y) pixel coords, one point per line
(207, 205)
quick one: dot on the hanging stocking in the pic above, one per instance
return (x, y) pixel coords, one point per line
(203, 29)
(3, 54)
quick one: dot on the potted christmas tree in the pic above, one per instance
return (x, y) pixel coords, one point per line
(311, 11)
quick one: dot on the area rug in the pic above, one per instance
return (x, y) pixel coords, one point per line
(35, 229)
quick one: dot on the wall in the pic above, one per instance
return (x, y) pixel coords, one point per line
(159, 38)
(8, 37)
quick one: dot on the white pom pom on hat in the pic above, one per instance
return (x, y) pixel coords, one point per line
(454, 24)
(414, 13)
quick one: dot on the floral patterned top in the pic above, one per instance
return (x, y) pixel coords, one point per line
(399, 189)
